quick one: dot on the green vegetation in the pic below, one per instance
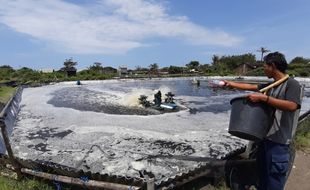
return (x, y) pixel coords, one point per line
(26, 184)
(302, 141)
(220, 65)
(302, 69)
(68, 73)
(9, 183)
(302, 138)
(220, 186)
(5, 93)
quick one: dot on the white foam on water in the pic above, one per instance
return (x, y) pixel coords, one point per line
(123, 144)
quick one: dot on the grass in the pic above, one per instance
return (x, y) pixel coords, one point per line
(302, 138)
(302, 141)
(220, 186)
(25, 184)
(9, 183)
(5, 93)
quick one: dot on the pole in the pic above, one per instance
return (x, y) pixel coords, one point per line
(150, 184)
(80, 182)
(9, 149)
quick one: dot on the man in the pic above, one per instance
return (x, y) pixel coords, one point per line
(157, 98)
(273, 154)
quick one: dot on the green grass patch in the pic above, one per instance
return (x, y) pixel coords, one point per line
(302, 138)
(26, 184)
(221, 185)
(5, 93)
(218, 187)
(302, 141)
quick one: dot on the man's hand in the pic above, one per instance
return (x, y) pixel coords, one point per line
(274, 102)
(227, 83)
(257, 97)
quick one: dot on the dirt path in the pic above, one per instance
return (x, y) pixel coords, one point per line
(299, 178)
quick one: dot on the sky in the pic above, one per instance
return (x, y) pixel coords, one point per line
(42, 34)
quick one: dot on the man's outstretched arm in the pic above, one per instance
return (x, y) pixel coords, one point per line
(241, 86)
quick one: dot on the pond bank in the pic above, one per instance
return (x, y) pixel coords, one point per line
(1, 106)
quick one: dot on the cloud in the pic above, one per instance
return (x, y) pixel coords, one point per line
(104, 26)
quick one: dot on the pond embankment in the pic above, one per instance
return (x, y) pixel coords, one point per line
(1, 106)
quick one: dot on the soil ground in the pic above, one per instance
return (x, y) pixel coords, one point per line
(299, 178)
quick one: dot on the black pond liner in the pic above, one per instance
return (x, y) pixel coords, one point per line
(58, 169)
(170, 183)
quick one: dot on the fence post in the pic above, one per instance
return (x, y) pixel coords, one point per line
(6, 141)
(150, 184)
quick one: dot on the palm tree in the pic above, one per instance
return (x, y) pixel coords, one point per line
(153, 68)
(263, 50)
(215, 59)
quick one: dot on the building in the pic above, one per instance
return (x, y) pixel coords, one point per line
(243, 68)
(123, 71)
(47, 70)
(109, 70)
(70, 71)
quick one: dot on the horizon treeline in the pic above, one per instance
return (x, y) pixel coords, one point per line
(245, 65)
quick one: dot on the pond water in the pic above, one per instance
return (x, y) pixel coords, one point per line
(99, 126)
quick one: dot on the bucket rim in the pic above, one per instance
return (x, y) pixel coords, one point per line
(237, 98)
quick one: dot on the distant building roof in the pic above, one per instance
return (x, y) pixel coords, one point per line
(243, 68)
(251, 65)
(47, 70)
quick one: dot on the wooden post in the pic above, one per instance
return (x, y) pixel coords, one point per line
(80, 182)
(150, 184)
(9, 149)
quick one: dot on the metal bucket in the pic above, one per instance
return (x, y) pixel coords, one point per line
(250, 120)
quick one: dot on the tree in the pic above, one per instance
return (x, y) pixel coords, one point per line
(192, 65)
(215, 59)
(153, 68)
(96, 67)
(206, 68)
(69, 64)
(6, 72)
(226, 65)
(300, 60)
(263, 51)
(6, 67)
(26, 74)
(175, 70)
(231, 62)
(138, 68)
(69, 68)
